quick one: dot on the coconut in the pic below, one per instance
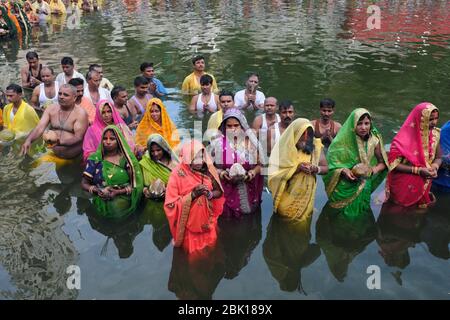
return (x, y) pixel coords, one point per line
(237, 170)
(50, 137)
(157, 188)
(7, 135)
(361, 170)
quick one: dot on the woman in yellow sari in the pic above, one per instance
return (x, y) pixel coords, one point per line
(156, 120)
(295, 161)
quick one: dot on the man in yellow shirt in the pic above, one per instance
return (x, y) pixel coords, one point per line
(18, 116)
(191, 84)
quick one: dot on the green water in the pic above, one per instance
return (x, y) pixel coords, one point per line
(303, 51)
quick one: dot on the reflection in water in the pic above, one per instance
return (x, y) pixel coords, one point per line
(398, 230)
(239, 237)
(342, 238)
(196, 275)
(287, 249)
(33, 248)
(153, 214)
(125, 231)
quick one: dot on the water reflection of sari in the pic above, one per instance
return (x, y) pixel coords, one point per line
(398, 230)
(239, 238)
(413, 145)
(153, 170)
(293, 193)
(148, 126)
(197, 276)
(92, 138)
(244, 197)
(347, 150)
(443, 179)
(287, 249)
(193, 223)
(106, 174)
(342, 238)
(153, 214)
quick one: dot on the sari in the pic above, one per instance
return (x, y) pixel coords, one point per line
(93, 136)
(293, 193)
(193, 223)
(153, 170)
(57, 5)
(25, 119)
(415, 144)
(443, 179)
(9, 23)
(244, 197)
(347, 150)
(147, 126)
(106, 174)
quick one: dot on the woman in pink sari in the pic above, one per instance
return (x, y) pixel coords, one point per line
(194, 199)
(105, 115)
(415, 158)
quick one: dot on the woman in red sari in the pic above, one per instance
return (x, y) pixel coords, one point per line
(194, 199)
(415, 158)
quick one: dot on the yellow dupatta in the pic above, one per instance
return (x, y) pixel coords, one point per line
(25, 119)
(148, 126)
(58, 5)
(293, 193)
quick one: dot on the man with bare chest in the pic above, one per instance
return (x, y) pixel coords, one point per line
(325, 128)
(67, 125)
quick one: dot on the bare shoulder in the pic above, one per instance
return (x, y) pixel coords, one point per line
(313, 122)
(337, 125)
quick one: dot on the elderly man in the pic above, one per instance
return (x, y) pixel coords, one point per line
(68, 124)
(94, 91)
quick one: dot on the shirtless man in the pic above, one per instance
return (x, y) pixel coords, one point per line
(325, 128)
(120, 98)
(30, 74)
(269, 119)
(45, 93)
(141, 97)
(68, 124)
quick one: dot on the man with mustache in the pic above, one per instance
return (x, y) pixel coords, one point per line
(325, 128)
(268, 122)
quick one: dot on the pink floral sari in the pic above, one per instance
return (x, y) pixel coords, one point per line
(415, 144)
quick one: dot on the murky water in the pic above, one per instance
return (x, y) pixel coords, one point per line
(304, 51)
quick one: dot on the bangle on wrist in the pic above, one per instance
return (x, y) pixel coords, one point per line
(318, 170)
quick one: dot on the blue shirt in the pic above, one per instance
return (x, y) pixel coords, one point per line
(159, 86)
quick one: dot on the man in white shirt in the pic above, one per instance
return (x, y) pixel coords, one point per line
(69, 71)
(94, 92)
(250, 98)
(104, 83)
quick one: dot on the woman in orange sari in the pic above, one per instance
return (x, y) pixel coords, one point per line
(415, 158)
(156, 120)
(194, 199)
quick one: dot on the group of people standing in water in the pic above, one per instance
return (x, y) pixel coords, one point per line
(132, 150)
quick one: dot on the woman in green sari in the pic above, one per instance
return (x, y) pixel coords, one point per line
(157, 164)
(114, 176)
(357, 164)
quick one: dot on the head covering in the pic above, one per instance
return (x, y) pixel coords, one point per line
(347, 149)
(135, 175)
(416, 144)
(93, 134)
(147, 126)
(285, 158)
(154, 170)
(415, 140)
